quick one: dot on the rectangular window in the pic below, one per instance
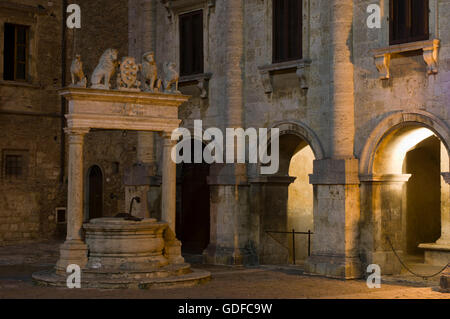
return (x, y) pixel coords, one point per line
(287, 30)
(191, 43)
(14, 164)
(409, 21)
(15, 58)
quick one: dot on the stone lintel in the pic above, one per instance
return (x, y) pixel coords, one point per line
(335, 172)
(115, 96)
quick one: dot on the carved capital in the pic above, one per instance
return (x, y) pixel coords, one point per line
(430, 56)
(76, 135)
(76, 131)
(382, 63)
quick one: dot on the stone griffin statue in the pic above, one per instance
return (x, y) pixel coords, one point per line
(127, 77)
(76, 71)
(104, 70)
(151, 83)
(171, 80)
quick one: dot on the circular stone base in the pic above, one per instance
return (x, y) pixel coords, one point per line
(128, 280)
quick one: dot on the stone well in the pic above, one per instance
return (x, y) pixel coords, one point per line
(127, 254)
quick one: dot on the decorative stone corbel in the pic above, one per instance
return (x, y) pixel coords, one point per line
(203, 85)
(266, 80)
(382, 63)
(430, 55)
(298, 66)
(302, 77)
(201, 80)
(430, 49)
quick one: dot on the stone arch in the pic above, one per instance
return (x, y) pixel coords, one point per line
(286, 197)
(390, 200)
(395, 121)
(99, 182)
(304, 132)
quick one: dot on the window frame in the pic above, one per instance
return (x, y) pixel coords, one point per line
(181, 16)
(24, 168)
(26, 46)
(408, 38)
(276, 58)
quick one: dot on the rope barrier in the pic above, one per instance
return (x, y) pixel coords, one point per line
(424, 277)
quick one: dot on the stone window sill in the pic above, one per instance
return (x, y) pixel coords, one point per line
(19, 84)
(430, 49)
(297, 66)
(200, 80)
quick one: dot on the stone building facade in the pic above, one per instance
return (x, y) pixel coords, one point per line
(364, 123)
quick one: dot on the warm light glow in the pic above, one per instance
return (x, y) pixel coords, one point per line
(392, 151)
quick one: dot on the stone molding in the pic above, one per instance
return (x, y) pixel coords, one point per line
(272, 180)
(430, 49)
(122, 110)
(23, 8)
(201, 80)
(385, 178)
(175, 7)
(298, 66)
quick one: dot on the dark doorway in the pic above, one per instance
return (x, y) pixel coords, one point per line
(95, 193)
(423, 214)
(193, 219)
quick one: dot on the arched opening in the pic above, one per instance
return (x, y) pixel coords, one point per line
(405, 197)
(193, 207)
(94, 193)
(288, 203)
(423, 195)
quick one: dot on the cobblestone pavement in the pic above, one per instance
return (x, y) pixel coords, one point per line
(17, 263)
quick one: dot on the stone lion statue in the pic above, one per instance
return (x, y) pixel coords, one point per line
(150, 73)
(76, 71)
(172, 77)
(105, 70)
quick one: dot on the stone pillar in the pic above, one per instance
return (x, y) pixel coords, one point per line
(335, 250)
(168, 200)
(382, 216)
(445, 278)
(231, 242)
(74, 250)
(335, 179)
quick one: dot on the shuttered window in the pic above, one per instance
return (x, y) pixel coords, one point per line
(287, 30)
(409, 21)
(191, 43)
(15, 52)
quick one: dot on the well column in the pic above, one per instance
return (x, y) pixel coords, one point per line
(74, 250)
